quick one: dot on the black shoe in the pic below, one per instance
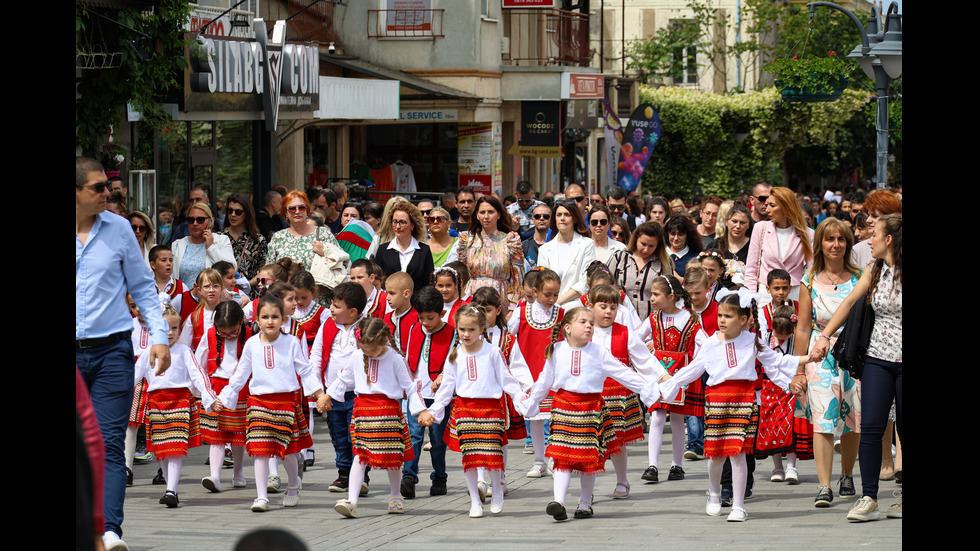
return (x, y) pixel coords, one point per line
(824, 497)
(651, 474)
(158, 479)
(583, 513)
(675, 473)
(365, 486)
(748, 494)
(438, 487)
(309, 462)
(557, 510)
(408, 487)
(170, 499)
(229, 459)
(726, 497)
(129, 476)
(341, 484)
(846, 489)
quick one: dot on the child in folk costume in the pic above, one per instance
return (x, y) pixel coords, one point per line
(401, 317)
(171, 409)
(535, 324)
(581, 430)
(265, 277)
(477, 374)
(714, 266)
(464, 278)
(780, 432)
(162, 265)
(778, 285)
(496, 333)
(447, 281)
(229, 279)
(364, 273)
(380, 377)
(729, 358)
(696, 283)
(273, 365)
(671, 331)
(137, 412)
(209, 288)
(598, 274)
(309, 314)
(218, 353)
(623, 405)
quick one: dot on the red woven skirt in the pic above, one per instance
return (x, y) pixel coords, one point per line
(624, 412)
(779, 430)
(137, 412)
(379, 432)
(476, 429)
(172, 422)
(228, 425)
(693, 395)
(731, 419)
(275, 425)
(582, 435)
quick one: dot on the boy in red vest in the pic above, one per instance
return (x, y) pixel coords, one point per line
(363, 273)
(335, 343)
(402, 317)
(429, 343)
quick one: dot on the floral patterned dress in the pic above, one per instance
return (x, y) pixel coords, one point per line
(832, 401)
(494, 261)
(300, 249)
(250, 252)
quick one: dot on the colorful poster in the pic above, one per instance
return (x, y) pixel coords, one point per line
(641, 136)
(475, 148)
(613, 138)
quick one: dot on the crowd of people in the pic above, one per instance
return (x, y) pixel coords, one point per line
(559, 321)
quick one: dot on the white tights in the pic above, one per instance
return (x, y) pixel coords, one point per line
(658, 419)
(740, 474)
(563, 478)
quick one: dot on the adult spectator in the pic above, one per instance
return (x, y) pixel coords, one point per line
(491, 251)
(326, 202)
(644, 260)
(198, 195)
(384, 233)
(407, 251)
(599, 223)
(619, 230)
(108, 264)
(576, 193)
(269, 220)
(677, 206)
(784, 241)
(881, 381)
(597, 200)
(340, 190)
(616, 199)
(657, 210)
(541, 220)
(441, 242)
(569, 252)
(524, 207)
(373, 212)
(833, 398)
(683, 241)
(165, 218)
(351, 211)
(248, 245)
(303, 238)
(878, 203)
(734, 242)
(116, 203)
(449, 203)
(425, 207)
(709, 219)
(465, 202)
(760, 195)
(143, 229)
(201, 248)
(858, 198)
(118, 184)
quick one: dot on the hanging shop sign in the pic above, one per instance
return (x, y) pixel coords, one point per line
(249, 75)
(357, 98)
(582, 86)
(474, 151)
(428, 115)
(529, 3)
(408, 16)
(540, 129)
(582, 113)
(216, 27)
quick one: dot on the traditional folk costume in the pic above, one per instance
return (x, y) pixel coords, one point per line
(709, 318)
(333, 350)
(195, 327)
(625, 314)
(220, 358)
(780, 431)
(427, 353)
(310, 321)
(400, 325)
(141, 343)
(534, 326)
(175, 290)
(673, 338)
(449, 309)
(504, 340)
(188, 303)
(377, 305)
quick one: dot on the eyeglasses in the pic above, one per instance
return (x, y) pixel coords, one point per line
(211, 287)
(266, 280)
(296, 208)
(598, 222)
(197, 219)
(762, 198)
(540, 216)
(400, 222)
(98, 187)
(236, 212)
(226, 335)
(435, 219)
(138, 228)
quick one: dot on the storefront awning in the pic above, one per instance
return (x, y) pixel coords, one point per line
(425, 87)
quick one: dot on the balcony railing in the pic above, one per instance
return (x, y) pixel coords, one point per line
(546, 37)
(405, 23)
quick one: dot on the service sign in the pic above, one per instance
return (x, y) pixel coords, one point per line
(529, 3)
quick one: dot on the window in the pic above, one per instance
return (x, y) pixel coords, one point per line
(685, 62)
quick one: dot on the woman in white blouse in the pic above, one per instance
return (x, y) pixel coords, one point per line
(599, 220)
(569, 252)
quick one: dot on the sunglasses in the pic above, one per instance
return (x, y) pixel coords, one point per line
(541, 216)
(524, 201)
(598, 222)
(762, 198)
(616, 234)
(236, 212)
(576, 199)
(138, 228)
(425, 213)
(297, 208)
(266, 280)
(99, 187)
(436, 219)
(617, 208)
(197, 219)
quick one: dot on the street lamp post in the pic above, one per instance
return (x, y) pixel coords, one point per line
(880, 56)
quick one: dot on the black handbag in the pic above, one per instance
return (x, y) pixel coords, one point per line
(851, 347)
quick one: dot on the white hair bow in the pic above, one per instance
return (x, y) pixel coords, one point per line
(745, 296)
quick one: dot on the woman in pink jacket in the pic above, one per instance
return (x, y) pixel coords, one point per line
(784, 241)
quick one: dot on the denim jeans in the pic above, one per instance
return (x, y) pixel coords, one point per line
(695, 434)
(438, 451)
(108, 372)
(880, 384)
(338, 422)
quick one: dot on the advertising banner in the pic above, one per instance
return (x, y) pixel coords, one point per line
(640, 137)
(613, 131)
(475, 145)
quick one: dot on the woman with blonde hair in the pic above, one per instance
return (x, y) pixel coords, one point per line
(784, 241)
(201, 248)
(407, 250)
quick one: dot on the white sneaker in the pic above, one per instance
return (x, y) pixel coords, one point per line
(738, 514)
(481, 487)
(528, 448)
(211, 484)
(537, 471)
(112, 542)
(274, 484)
(551, 463)
(864, 510)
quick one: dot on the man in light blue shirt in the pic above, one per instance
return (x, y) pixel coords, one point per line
(108, 263)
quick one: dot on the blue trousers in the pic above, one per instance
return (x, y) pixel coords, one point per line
(880, 384)
(438, 451)
(695, 434)
(338, 423)
(108, 372)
